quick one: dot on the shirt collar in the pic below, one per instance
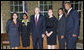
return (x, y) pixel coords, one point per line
(60, 16)
(27, 20)
(69, 10)
(37, 15)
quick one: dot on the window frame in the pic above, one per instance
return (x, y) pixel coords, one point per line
(18, 8)
(43, 12)
(79, 2)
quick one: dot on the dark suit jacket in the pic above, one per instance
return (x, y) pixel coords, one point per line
(61, 26)
(72, 23)
(39, 29)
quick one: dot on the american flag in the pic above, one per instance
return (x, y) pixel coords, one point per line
(63, 4)
(26, 8)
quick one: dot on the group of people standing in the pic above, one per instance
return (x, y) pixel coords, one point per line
(66, 27)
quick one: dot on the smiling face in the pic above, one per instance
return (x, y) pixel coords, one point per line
(67, 6)
(37, 10)
(50, 12)
(14, 16)
(24, 16)
(60, 12)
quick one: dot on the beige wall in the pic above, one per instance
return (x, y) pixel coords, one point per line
(31, 6)
(5, 10)
(56, 6)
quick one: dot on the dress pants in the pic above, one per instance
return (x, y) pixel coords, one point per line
(37, 40)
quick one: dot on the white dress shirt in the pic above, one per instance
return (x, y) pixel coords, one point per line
(60, 16)
(69, 10)
(37, 16)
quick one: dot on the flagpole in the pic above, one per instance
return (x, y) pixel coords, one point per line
(26, 9)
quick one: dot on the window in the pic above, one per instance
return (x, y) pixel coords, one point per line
(45, 6)
(76, 5)
(17, 6)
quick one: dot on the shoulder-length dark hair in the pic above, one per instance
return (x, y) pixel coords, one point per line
(12, 15)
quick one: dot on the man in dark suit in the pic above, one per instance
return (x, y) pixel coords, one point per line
(61, 29)
(72, 26)
(37, 27)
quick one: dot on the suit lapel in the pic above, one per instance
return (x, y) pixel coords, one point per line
(39, 19)
(61, 17)
(34, 19)
(69, 12)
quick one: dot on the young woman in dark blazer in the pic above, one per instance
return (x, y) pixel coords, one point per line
(51, 30)
(12, 28)
(24, 28)
(61, 28)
